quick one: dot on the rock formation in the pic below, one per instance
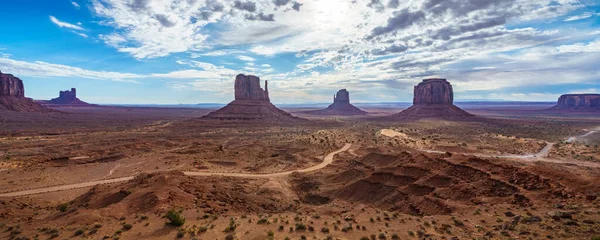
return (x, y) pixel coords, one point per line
(251, 103)
(433, 98)
(578, 103)
(67, 97)
(248, 88)
(341, 106)
(12, 96)
(11, 86)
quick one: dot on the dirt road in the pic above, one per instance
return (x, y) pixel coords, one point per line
(328, 159)
(541, 156)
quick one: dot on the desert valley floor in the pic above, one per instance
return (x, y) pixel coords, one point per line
(509, 173)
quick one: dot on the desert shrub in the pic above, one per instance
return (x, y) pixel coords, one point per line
(300, 227)
(229, 237)
(79, 232)
(324, 230)
(365, 238)
(127, 226)
(180, 233)
(231, 228)
(382, 236)
(395, 236)
(263, 221)
(174, 218)
(62, 207)
(595, 238)
(411, 233)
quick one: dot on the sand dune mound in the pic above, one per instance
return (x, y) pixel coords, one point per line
(159, 192)
(423, 184)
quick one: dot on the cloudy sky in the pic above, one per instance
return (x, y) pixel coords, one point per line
(189, 51)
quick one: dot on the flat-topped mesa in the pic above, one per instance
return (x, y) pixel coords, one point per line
(248, 88)
(578, 102)
(433, 91)
(342, 96)
(11, 86)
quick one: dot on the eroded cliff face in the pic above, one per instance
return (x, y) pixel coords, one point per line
(247, 88)
(11, 86)
(12, 96)
(578, 102)
(342, 96)
(433, 91)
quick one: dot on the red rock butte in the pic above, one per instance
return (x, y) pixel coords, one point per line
(433, 98)
(341, 106)
(588, 102)
(12, 96)
(251, 103)
(67, 97)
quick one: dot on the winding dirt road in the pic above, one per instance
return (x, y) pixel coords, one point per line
(541, 156)
(328, 159)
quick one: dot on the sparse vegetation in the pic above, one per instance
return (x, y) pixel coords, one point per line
(175, 218)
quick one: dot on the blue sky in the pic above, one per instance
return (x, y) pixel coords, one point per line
(189, 51)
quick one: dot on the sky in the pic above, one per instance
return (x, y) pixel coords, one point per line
(189, 51)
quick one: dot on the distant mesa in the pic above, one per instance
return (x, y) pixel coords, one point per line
(68, 97)
(433, 98)
(578, 103)
(251, 103)
(12, 96)
(341, 106)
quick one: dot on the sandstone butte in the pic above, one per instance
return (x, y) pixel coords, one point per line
(433, 98)
(341, 106)
(578, 103)
(251, 103)
(12, 96)
(67, 97)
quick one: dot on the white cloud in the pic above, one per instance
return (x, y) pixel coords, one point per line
(81, 34)
(75, 4)
(65, 24)
(216, 53)
(245, 58)
(44, 69)
(579, 17)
